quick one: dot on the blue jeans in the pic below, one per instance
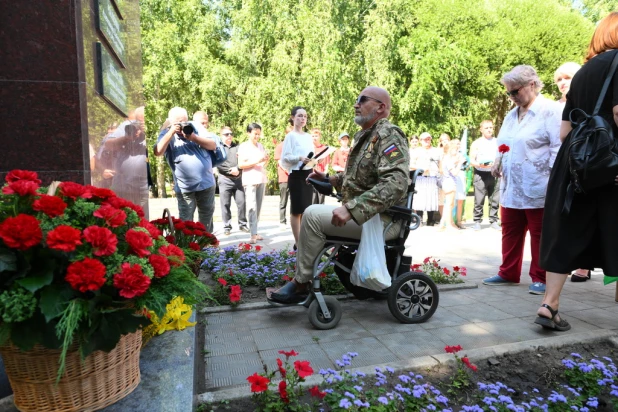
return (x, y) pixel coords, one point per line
(204, 200)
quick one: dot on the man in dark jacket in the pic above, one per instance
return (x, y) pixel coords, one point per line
(230, 185)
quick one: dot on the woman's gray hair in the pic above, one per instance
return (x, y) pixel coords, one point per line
(522, 75)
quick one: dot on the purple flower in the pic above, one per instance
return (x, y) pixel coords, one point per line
(349, 395)
(593, 402)
(345, 403)
(404, 378)
(358, 388)
(390, 370)
(576, 355)
(360, 403)
(383, 400)
(353, 354)
(442, 399)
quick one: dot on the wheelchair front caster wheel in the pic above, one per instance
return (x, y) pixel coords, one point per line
(413, 297)
(317, 318)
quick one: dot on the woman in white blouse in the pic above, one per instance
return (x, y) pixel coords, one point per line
(297, 147)
(251, 160)
(531, 133)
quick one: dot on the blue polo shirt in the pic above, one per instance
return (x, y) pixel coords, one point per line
(191, 164)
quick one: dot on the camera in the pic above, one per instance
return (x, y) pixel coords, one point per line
(187, 128)
(464, 165)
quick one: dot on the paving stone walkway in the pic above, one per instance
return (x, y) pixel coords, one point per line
(241, 342)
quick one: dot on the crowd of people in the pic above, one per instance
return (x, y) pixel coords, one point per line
(521, 172)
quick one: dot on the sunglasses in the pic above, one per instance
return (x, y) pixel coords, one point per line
(228, 134)
(514, 93)
(363, 99)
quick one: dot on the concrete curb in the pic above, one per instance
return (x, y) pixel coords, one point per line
(423, 362)
(265, 305)
(7, 403)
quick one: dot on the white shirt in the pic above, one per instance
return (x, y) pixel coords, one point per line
(257, 174)
(485, 152)
(534, 144)
(295, 146)
(426, 159)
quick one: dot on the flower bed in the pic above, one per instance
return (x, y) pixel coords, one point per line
(565, 381)
(235, 268)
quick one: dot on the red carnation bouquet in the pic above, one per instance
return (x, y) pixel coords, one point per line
(81, 264)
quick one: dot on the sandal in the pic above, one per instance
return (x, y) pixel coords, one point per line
(257, 237)
(559, 324)
(575, 277)
(252, 241)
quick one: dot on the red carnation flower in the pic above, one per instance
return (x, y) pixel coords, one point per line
(138, 242)
(74, 190)
(170, 239)
(52, 206)
(131, 281)
(15, 175)
(316, 392)
(194, 246)
(286, 278)
(288, 354)
(152, 229)
(175, 254)
(102, 239)
(503, 148)
(113, 217)
(160, 264)
(322, 275)
(119, 203)
(303, 368)
(64, 238)
(258, 383)
(258, 248)
(455, 268)
(446, 271)
(180, 225)
(222, 281)
(452, 349)
(21, 188)
(426, 260)
(283, 391)
(100, 192)
(282, 370)
(21, 232)
(85, 275)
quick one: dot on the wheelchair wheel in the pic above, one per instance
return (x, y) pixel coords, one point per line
(413, 297)
(318, 320)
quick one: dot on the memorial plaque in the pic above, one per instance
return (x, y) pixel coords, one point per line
(111, 79)
(111, 28)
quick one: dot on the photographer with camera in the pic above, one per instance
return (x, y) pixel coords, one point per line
(482, 154)
(185, 146)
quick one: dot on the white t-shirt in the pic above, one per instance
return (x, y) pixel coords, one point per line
(486, 150)
(295, 146)
(248, 152)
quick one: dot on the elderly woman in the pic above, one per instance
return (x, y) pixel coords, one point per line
(426, 158)
(530, 131)
(586, 236)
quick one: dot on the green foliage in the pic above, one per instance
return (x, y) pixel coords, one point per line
(68, 324)
(253, 60)
(17, 304)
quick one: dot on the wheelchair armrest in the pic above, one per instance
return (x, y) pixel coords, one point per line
(399, 212)
(323, 187)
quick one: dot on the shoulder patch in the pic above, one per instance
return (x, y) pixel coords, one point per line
(392, 153)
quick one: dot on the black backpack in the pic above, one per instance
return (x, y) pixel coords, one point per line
(592, 150)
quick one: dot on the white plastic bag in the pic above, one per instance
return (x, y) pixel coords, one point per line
(369, 270)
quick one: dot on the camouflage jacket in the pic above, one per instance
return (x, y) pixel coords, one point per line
(376, 175)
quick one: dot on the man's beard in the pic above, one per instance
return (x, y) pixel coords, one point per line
(363, 120)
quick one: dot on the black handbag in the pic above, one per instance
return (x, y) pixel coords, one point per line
(592, 150)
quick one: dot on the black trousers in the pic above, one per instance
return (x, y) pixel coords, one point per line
(485, 185)
(284, 194)
(228, 189)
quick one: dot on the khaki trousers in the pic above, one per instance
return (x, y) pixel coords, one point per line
(314, 228)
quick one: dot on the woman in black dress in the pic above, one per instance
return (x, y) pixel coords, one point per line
(588, 235)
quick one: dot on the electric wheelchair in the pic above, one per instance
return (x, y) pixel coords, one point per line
(413, 297)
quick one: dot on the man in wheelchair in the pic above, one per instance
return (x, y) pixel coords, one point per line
(376, 177)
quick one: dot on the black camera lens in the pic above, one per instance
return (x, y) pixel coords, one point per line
(188, 128)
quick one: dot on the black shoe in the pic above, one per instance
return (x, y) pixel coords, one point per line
(579, 278)
(288, 294)
(227, 232)
(244, 229)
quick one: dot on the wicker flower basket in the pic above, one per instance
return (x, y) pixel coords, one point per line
(100, 380)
